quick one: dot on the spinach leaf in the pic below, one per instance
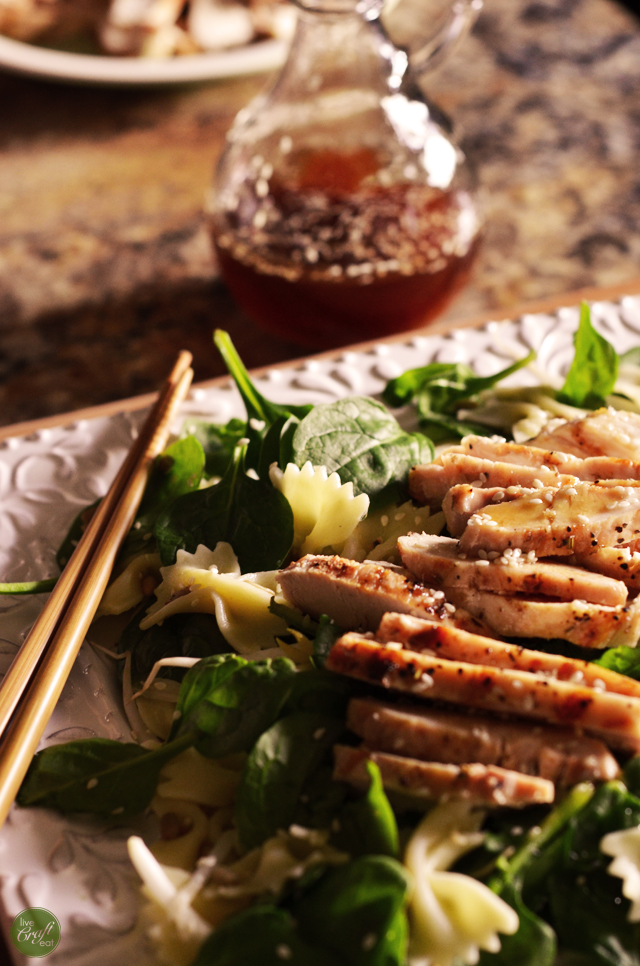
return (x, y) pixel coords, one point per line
(439, 389)
(594, 369)
(588, 910)
(323, 632)
(624, 660)
(282, 762)
(320, 692)
(258, 408)
(97, 775)
(357, 912)
(534, 942)
(518, 882)
(181, 635)
(368, 826)
(250, 514)
(231, 701)
(360, 440)
(30, 586)
(262, 935)
(176, 471)
(218, 442)
(327, 634)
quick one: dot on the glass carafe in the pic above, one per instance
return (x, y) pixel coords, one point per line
(341, 209)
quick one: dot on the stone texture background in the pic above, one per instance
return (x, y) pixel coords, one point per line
(105, 266)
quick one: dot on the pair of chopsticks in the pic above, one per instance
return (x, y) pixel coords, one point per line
(34, 682)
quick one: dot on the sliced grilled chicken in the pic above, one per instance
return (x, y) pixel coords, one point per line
(356, 595)
(580, 623)
(606, 432)
(456, 645)
(613, 717)
(557, 754)
(429, 483)
(428, 781)
(463, 500)
(435, 561)
(558, 522)
(603, 463)
(621, 563)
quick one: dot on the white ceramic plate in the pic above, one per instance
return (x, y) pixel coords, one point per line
(59, 65)
(77, 867)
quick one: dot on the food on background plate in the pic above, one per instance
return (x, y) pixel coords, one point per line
(346, 763)
(146, 28)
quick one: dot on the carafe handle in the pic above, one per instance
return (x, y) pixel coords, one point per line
(431, 54)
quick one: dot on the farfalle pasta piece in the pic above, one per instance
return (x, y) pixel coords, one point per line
(210, 582)
(376, 537)
(624, 846)
(128, 589)
(452, 915)
(325, 511)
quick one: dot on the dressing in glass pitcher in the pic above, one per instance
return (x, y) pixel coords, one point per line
(341, 210)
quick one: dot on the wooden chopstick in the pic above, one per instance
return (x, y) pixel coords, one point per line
(60, 629)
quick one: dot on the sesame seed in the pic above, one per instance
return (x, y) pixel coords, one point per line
(92, 783)
(369, 941)
(384, 520)
(482, 563)
(535, 500)
(283, 951)
(319, 733)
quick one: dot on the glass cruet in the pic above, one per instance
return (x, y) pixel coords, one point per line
(341, 209)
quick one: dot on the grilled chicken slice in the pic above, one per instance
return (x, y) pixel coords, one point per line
(580, 623)
(435, 561)
(429, 483)
(456, 645)
(621, 563)
(613, 717)
(463, 500)
(559, 522)
(557, 754)
(356, 595)
(429, 781)
(606, 432)
(603, 463)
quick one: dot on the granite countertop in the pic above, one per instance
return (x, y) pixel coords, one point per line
(105, 264)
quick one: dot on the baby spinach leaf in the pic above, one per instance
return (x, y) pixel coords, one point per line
(357, 911)
(231, 701)
(588, 910)
(624, 660)
(30, 586)
(448, 383)
(632, 776)
(181, 635)
(176, 471)
(282, 761)
(594, 369)
(262, 935)
(218, 442)
(327, 634)
(360, 440)
(319, 691)
(257, 406)
(251, 515)
(533, 944)
(295, 618)
(97, 775)
(439, 389)
(368, 826)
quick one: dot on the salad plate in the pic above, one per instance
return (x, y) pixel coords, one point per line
(60, 65)
(77, 867)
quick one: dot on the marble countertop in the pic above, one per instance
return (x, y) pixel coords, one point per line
(105, 265)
